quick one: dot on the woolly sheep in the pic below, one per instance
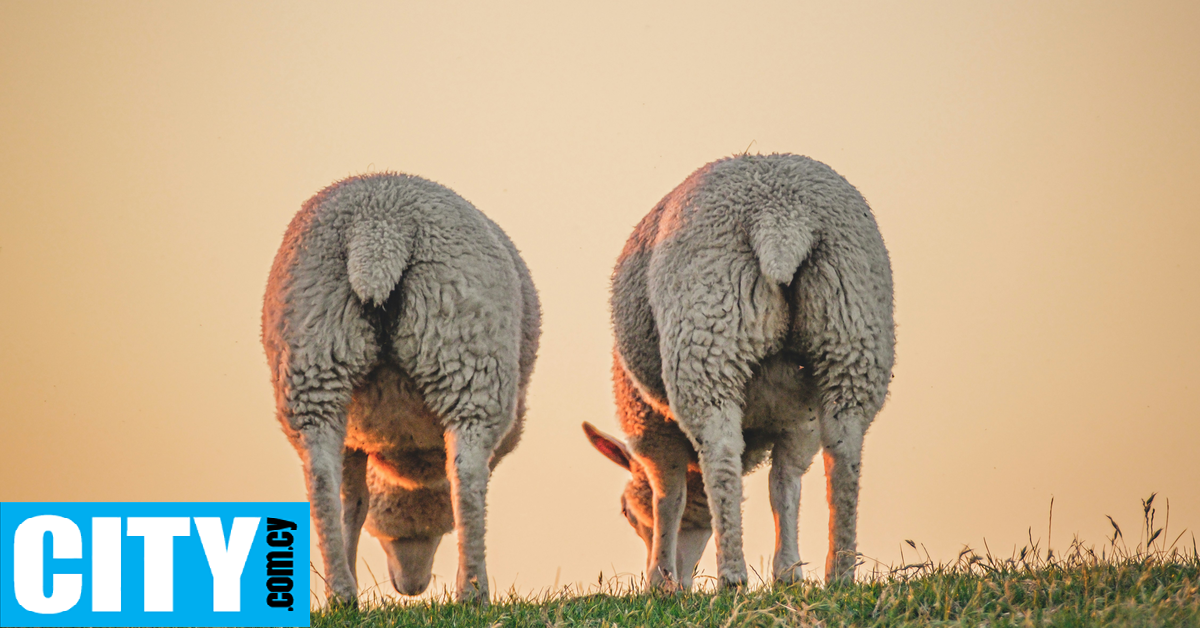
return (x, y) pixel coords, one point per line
(400, 326)
(752, 309)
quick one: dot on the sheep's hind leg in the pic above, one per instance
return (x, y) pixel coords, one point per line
(317, 398)
(668, 479)
(718, 440)
(467, 454)
(705, 373)
(843, 439)
(790, 458)
(355, 502)
(320, 445)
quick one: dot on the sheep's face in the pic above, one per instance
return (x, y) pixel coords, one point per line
(637, 503)
(410, 562)
(409, 525)
(637, 506)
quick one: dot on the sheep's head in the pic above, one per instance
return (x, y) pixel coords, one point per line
(409, 525)
(637, 505)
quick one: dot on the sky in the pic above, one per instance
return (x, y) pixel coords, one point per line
(1032, 167)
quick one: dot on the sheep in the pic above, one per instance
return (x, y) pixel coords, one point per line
(400, 326)
(752, 311)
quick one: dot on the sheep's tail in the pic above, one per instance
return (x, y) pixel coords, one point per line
(377, 255)
(782, 238)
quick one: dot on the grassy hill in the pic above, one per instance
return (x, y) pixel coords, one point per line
(1149, 585)
(1084, 590)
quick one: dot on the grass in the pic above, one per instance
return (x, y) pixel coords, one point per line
(1148, 584)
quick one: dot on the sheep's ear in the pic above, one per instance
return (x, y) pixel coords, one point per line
(612, 448)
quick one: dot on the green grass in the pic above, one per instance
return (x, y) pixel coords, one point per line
(1150, 584)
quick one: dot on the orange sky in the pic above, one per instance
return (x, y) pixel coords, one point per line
(1033, 168)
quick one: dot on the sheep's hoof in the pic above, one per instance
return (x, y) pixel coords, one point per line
(840, 574)
(837, 580)
(732, 582)
(472, 597)
(472, 592)
(789, 576)
(731, 574)
(337, 602)
(666, 586)
(662, 581)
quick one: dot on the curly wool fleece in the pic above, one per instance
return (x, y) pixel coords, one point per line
(394, 298)
(753, 300)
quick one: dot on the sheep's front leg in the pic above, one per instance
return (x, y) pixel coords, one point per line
(355, 502)
(467, 454)
(320, 446)
(843, 438)
(668, 480)
(790, 458)
(718, 440)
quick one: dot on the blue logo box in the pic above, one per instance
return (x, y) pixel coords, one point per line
(154, 564)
